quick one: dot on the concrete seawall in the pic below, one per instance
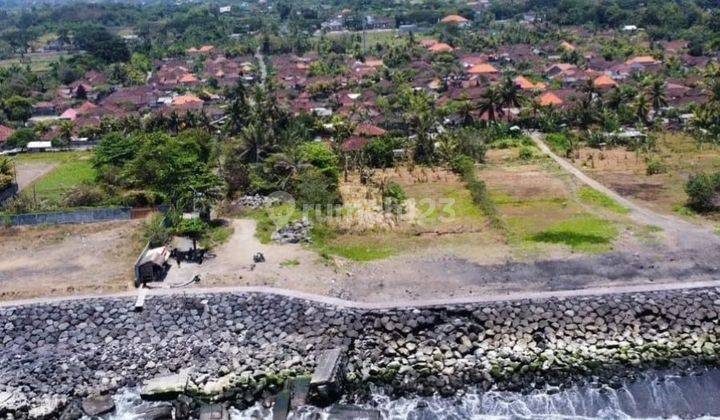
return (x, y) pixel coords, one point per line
(240, 346)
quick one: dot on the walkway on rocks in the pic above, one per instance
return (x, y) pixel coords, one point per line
(398, 304)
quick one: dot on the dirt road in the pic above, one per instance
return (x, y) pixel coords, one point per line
(28, 172)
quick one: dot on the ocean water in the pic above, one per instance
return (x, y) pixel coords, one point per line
(651, 395)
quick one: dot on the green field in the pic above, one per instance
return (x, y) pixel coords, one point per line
(73, 169)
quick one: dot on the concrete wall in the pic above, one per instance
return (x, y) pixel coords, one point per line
(77, 216)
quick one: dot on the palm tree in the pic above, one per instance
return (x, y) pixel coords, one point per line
(642, 108)
(510, 94)
(255, 138)
(66, 130)
(619, 96)
(465, 109)
(490, 103)
(657, 95)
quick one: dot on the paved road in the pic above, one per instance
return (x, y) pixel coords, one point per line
(681, 233)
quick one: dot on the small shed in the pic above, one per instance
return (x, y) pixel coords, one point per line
(152, 265)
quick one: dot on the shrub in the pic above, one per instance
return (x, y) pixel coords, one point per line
(655, 166)
(394, 198)
(526, 153)
(142, 198)
(560, 143)
(703, 190)
(84, 196)
(155, 231)
(462, 164)
(314, 188)
(320, 156)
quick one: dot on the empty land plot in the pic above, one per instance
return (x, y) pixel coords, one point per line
(70, 259)
(441, 216)
(546, 213)
(625, 172)
(69, 169)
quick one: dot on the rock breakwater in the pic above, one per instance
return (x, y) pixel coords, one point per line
(240, 347)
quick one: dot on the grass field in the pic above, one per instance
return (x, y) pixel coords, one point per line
(73, 169)
(38, 62)
(625, 172)
(545, 211)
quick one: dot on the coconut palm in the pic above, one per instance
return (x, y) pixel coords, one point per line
(510, 95)
(657, 95)
(642, 108)
(490, 103)
(620, 96)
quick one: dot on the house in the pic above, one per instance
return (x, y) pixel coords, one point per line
(225, 9)
(483, 69)
(630, 28)
(604, 82)
(440, 47)
(550, 99)
(38, 146)
(566, 46)
(524, 83)
(379, 22)
(187, 102)
(369, 130)
(643, 60)
(354, 144)
(204, 50)
(558, 69)
(5, 133)
(455, 20)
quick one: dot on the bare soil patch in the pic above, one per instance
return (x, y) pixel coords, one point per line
(70, 259)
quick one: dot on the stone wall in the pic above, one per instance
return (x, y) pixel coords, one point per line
(241, 346)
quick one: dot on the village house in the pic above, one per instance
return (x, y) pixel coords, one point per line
(5, 134)
(455, 20)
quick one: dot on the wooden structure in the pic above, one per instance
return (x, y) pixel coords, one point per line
(152, 265)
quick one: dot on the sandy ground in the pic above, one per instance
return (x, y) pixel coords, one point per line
(28, 172)
(62, 260)
(285, 266)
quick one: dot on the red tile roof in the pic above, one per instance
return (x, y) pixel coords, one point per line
(5, 133)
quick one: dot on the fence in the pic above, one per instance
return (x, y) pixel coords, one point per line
(65, 217)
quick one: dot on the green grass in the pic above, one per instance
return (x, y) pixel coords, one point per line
(584, 233)
(590, 196)
(290, 263)
(216, 236)
(327, 243)
(266, 220)
(69, 173)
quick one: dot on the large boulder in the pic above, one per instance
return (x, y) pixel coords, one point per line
(165, 387)
(12, 401)
(98, 405)
(48, 407)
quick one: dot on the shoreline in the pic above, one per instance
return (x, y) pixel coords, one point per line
(240, 347)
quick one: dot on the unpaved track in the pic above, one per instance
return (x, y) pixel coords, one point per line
(27, 173)
(680, 233)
